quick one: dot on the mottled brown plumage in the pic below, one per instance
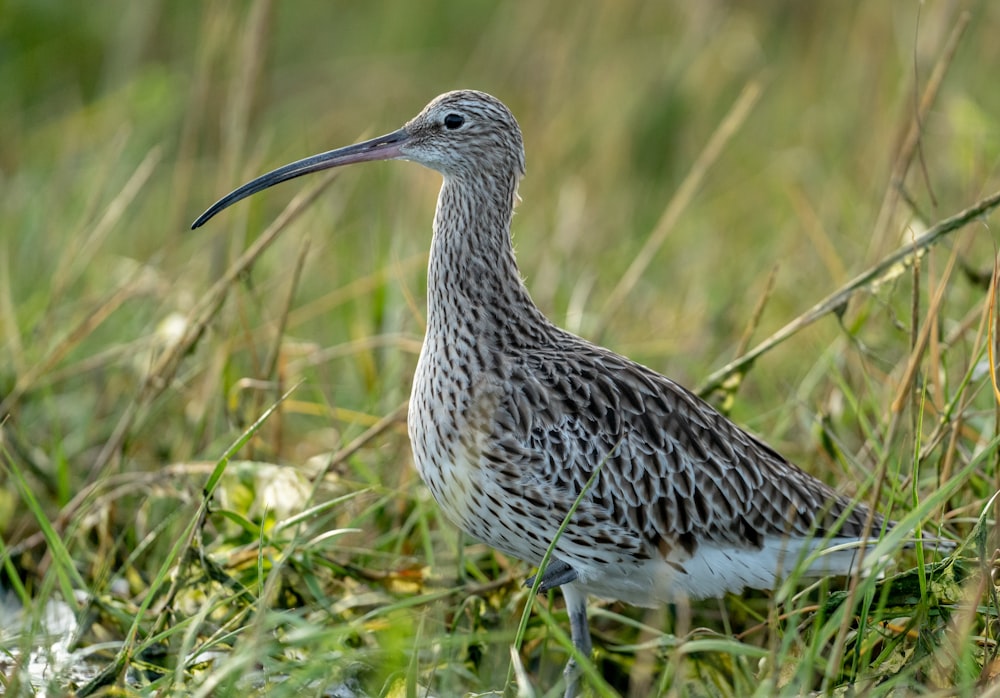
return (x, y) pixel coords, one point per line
(510, 415)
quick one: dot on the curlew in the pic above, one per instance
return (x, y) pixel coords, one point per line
(511, 416)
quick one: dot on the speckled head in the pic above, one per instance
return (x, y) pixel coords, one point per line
(463, 134)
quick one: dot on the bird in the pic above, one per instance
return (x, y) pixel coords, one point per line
(521, 429)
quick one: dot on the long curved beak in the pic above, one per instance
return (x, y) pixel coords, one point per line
(387, 147)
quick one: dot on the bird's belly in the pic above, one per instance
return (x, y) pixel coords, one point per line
(470, 497)
(710, 572)
(715, 570)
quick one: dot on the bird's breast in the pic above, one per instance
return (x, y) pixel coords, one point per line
(453, 405)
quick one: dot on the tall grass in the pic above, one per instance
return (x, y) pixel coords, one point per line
(663, 214)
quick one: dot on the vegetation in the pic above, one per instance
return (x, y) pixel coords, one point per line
(203, 453)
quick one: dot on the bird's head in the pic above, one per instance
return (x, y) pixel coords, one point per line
(465, 133)
(462, 134)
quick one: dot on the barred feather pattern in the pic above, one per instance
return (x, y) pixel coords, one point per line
(510, 416)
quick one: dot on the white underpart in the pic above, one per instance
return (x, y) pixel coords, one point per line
(714, 572)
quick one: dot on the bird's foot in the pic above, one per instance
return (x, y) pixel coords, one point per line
(556, 574)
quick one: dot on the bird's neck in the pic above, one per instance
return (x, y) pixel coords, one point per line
(473, 283)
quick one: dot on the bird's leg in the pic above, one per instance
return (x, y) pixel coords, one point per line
(576, 606)
(556, 574)
(560, 574)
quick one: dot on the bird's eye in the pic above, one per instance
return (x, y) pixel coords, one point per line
(453, 121)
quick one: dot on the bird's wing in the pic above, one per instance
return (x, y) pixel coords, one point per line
(674, 471)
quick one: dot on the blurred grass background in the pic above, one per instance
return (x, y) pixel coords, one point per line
(122, 121)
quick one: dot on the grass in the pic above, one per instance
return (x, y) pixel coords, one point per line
(203, 446)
